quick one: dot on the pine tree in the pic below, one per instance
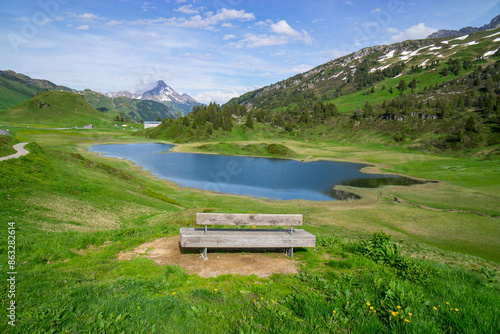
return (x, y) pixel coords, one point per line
(249, 120)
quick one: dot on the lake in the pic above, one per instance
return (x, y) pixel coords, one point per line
(257, 177)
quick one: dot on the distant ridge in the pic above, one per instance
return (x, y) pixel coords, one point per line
(465, 31)
(164, 94)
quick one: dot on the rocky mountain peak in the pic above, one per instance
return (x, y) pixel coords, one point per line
(494, 23)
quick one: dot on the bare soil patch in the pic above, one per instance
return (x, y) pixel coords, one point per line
(166, 251)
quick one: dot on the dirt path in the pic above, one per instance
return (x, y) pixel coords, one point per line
(167, 251)
(20, 152)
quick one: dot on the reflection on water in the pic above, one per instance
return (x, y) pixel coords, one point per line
(342, 195)
(382, 181)
(258, 177)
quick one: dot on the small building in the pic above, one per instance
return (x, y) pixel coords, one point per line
(88, 126)
(151, 124)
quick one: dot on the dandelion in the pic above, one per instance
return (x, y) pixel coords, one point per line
(371, 307)
(456, 309)
(215, 290)
(399, 307)
(407, 320)
(174, 293)
(374, 311)
(367, 304)
(334, 312)
(261, 298)
(447, 303)
(410, 314)
(394, 313)
(435, 308)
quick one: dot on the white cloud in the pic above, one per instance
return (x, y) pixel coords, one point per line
(392, 30)
(252, 40)
(227, 25)
(228, 37)
(45, 21)
(197, 21)
(146, 6)
(114, 22)
(377, 10)
(83, 27)
(298, 69)
(187, 9)
(231, 14)
(334, 53)
(217, 96)
(283, 28)
(418, 31)
(84, 17)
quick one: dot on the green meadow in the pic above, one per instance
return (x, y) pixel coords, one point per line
(418, 259)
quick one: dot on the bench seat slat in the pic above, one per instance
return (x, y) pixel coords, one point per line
(236, 239)
(248, 219)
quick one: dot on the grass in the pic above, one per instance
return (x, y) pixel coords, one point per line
(51, 109)
(259, 149)
(6, 143)
(75, 212)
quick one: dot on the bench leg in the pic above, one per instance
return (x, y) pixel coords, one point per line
(204, 252)
(289, 252)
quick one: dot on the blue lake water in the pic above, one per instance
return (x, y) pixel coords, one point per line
(258, 177)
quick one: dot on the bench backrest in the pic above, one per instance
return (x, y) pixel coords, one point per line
(248, 219)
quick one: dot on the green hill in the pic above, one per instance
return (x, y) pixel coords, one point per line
(60, 109)
(348, 80)
(16, 88)
(133, 109)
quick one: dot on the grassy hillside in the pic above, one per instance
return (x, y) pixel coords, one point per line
(348, 80)
(16, 88)
(6, 143)
(60, 109)
(74, 213)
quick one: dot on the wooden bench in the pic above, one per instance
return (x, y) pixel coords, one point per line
(246, 238)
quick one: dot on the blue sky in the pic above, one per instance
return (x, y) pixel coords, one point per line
(212, 50)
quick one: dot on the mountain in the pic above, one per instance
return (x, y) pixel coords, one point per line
(347, 80)
(129, 108)
(51, 108)
(15, 88)
(124, 93)
(439, 96)
(165, 94)
(494, 23)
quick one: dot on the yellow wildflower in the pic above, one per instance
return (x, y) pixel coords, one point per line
(374, 311)
(456, 309)
(447, 303)
(215, 290)
(174, 293)
(371, 307)
(334, 312)
(399, 307)
(435, 308)
(407, 320)
(367, 304)
(409, 314)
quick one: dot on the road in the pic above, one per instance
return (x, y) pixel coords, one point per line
(20, 152)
